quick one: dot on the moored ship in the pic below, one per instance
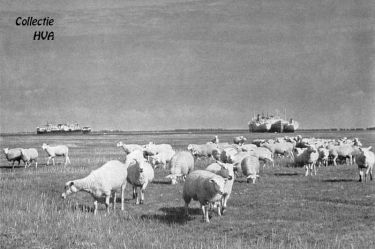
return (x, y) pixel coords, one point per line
(271, 123)
(66, 128)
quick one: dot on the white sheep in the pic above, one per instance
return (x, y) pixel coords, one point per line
(151, 149)
(29, 155)
(205, 187)
(56, 151)
(250, 168)
(101, 183)
(128, 148)
(202, 150)
(13, 155)
(306, 157)
(162, 158)
(240, 140)
(140, 174)
(226, 171)
(180, 165)
(365, 160)
(323, 156)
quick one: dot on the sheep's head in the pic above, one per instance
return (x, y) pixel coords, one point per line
(174, 178)
(44, 146)
(218, 184)
(216, 154)
(119, 144)
(154, 160)
(69, 189)
(226, 171)
(6, 150)
(365, 157)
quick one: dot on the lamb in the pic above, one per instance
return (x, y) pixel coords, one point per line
(13, 155)
(250, 168)
(226, 171)
(239, 140)
(306, 157)
(100, 183)
(53, 151)
(205, 187)
(140, 174)
(29, 155)
(128, 148)
(365, 160)
(181, 164)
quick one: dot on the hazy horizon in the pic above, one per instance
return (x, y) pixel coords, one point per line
(174, 64)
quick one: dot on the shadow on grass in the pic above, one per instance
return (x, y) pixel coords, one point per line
(173, 215)
(340, 180)
(287, 174)
(166, 181)
(83, 208)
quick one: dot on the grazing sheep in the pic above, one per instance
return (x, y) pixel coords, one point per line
(264, 155)
(202, 150)
(239, 140)
(228, 153)
(226, 171)
(128, 148)
(250, 168)
(101, 183)
(181, 164)
(365, 160)
(58, 150)
(306, 157)
(215, 140)
(29, 155)
(140, 174)
(151, 149)
(162, 158)
(13, 155)
(284, 148)
(205, 187)
(323, 156)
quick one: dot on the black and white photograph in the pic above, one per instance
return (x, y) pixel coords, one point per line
(187, 124)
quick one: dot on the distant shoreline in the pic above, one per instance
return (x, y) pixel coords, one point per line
(180, 131)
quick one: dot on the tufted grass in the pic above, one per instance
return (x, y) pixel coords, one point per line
(283, 209)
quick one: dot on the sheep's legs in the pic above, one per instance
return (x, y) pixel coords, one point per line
(122, 196)
(134, 192)
(95, 207)
(187, 207)
(143, 192)
(205, 213)
(107, 202)
(114, 201)
(67, 160)
(360, 175)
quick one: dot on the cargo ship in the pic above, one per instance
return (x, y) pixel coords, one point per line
(270, 123)
(66, 128)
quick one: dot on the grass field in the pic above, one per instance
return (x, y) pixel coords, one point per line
(284, 209)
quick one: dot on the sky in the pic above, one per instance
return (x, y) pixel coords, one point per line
(178, 64)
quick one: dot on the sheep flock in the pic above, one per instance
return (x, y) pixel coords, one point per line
(211, 185)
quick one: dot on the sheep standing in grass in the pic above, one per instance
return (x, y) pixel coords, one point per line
(101, 183)
(128, 148)
(140, 174)
(250, 168)
(13, 155)
(323, 156)
(56, 151)
(226, 171)
(181, 164)
(365, 161)
(306, 157)
(240, 140)
(29, 155)
(162, 158)
(205, 187)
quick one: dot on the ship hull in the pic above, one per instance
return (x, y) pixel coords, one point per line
(61, 132)
(265, 127)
